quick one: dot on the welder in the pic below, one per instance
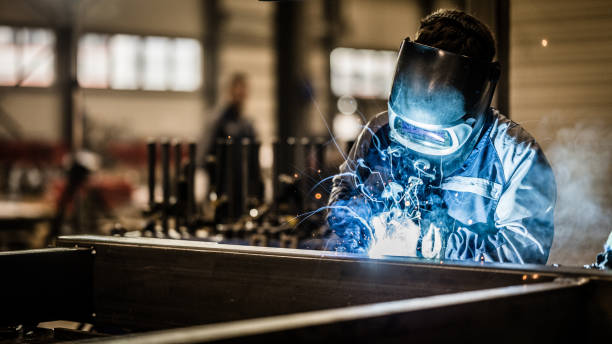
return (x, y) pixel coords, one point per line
(441, 158)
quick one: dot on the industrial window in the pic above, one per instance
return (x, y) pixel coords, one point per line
(362, 73)
(128, 62)
(26, 57)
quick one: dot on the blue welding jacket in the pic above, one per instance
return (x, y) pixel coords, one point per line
(500, 202)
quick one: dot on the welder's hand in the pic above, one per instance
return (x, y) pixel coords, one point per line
(431, 245)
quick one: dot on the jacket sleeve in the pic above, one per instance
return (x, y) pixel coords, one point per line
(523, 221)
(348, 210)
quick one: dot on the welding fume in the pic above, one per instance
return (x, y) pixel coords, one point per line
(441, 174)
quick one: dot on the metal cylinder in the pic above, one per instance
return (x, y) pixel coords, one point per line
(151, 161)
(178, 158)
(191, 181)
(232, 177)
(221, 154)
(241, 202)
(165, 157)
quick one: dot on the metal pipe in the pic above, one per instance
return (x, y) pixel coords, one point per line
(152, 161)
(231, 177)
(221, 155)
(178, 157)
(245, 145)
(165, 156)
(191, 182)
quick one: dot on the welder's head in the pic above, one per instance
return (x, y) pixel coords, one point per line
(457, 32)
(442, 89)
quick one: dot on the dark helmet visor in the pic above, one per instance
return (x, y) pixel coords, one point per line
(434, 86)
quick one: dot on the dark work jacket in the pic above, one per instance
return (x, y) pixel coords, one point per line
(500, 202)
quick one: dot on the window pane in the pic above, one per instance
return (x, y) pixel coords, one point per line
(124, 61)
(92, 61)
(37, 59)
(135, 62)
(387, 71)
(362, 72)
(156, 62)
(8, 62)
(340, 60)
(187, 71)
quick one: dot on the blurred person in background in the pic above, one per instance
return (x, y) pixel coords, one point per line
(230, 125)
(233, 128)
(441, 174)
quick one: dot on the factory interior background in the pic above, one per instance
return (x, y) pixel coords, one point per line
(104, 77)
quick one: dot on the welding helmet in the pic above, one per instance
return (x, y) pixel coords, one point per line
(438, 103)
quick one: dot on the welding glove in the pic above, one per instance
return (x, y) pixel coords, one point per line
(349, 220)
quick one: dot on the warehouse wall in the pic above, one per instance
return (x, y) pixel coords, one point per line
(246, 45)
(35, 110)
(381, 24)
(562, 93)
(137, 113)
(141, 113)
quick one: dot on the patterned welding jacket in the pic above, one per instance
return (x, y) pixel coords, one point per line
(497, 207)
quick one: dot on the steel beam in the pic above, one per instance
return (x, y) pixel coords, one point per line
(542, 312)
(146, 284)
(47, 284)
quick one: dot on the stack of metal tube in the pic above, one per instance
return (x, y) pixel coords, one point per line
(238, 208)
(177, 209)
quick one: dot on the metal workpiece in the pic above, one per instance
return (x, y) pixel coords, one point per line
(46, 284)
(213, 283)
(457, 317)
(246, 294)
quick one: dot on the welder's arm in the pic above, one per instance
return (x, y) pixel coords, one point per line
(348, 213)
(523, 229)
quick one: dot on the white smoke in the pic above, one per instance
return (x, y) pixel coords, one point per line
(581, 159)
